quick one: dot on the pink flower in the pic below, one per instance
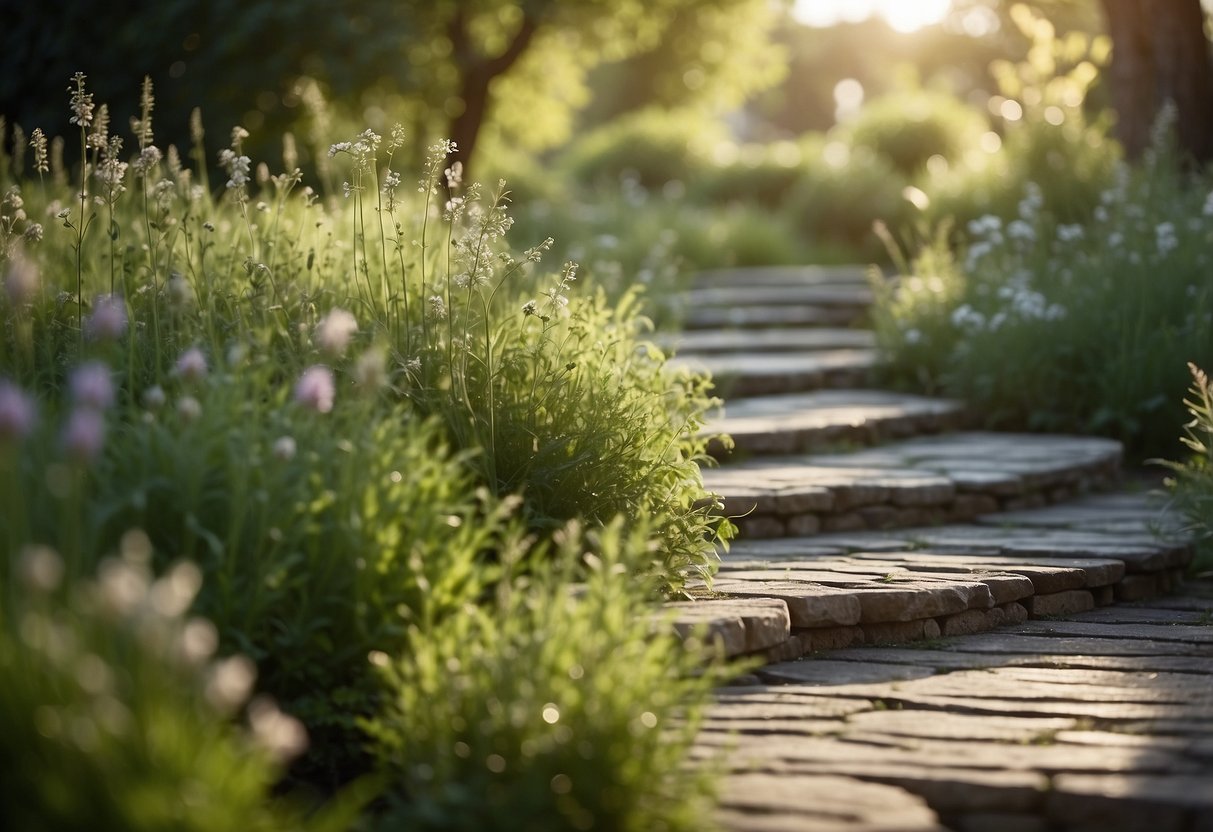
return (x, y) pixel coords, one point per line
(315, 389)
(191, 366)
(21, 281)
(17, 412)
(335, 330)
(84, 434)
(108, 321)
(91, 386)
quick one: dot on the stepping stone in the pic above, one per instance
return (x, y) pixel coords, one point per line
(809, 421)
(761, 374)
(768, 341)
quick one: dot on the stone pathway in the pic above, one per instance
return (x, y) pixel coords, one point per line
(948, 629)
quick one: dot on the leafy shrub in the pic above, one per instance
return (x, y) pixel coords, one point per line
(841, 193)
(908, 127)
(548, 708)
(652, 147)
(759, 175)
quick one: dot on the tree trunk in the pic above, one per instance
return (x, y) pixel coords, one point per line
(477, 74)
(1160, 54)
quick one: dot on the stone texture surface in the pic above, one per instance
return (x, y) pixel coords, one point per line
(808, 421)
(1037, 689)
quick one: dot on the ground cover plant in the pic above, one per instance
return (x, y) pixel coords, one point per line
(366, 422)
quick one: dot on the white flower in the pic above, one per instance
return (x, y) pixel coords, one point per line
(284, 448)
(335, 330)
(1165, 238)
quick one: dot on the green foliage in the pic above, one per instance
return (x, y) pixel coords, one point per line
(842, 192)
(549, 708)
(347, 415)
(909, 126)
(652, 146)
(1052, 326)
(114, 715)
(1191, 483)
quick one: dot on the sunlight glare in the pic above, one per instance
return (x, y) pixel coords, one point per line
(902, 15)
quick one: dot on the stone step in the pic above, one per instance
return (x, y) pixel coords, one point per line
(1091, 723)
(912, 482)
(840, 590)
(761, 374)
(703, 342)
(814, 421)
(853, 275)
(765, 317)
(829, 295)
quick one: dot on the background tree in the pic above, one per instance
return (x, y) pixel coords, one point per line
(1160, 54)
(444, 67)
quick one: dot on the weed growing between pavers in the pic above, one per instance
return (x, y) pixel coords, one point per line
(362, 421)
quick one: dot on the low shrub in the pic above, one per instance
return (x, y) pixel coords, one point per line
(652, 147)
(908, 127)
(1057, 326)
(548, 708)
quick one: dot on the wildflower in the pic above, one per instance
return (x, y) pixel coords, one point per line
(17, 413)
(1208, 208)
(315, 389)
(454, 174)
(284, 448)
(37, 141)
(153, 397)
(391, 181)
(1070, 233)
(534, 255)
(1165, 238)
(148, 158)
(437, 307)
(230, 683)
(335, 330)
(84, 434)
(91, 387)
(530, 308)
(189, 409)
(41, 568)
(33, 232)
(178, 290)
(21, 281)
(81, 102)
(191, 365)
(370, 370)
(283, 736)
(108, 321)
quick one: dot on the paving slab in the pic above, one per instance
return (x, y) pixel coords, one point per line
(738, 626)
(813, 421)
